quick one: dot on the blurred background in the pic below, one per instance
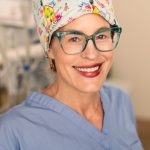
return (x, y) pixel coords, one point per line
(24, 68)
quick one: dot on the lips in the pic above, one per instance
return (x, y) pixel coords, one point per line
(92, 69)
(89, 71)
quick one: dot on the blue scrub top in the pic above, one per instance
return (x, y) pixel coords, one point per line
(43, 123)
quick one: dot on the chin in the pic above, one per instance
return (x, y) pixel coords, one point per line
(90, 89)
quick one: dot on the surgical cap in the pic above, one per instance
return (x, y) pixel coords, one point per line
(50, 15)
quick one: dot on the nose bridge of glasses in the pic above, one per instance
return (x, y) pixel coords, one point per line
(90, 51)
(89, 37)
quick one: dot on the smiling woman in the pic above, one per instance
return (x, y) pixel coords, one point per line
(78, 111)
(85, 63)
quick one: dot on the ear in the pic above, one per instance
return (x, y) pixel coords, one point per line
(50, 53)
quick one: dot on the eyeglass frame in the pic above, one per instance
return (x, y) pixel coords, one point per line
(61, 34)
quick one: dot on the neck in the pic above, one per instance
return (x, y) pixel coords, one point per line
(86, 104)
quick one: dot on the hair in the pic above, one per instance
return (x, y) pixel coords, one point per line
(52, 62)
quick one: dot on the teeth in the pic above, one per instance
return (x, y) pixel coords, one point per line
(88, 69)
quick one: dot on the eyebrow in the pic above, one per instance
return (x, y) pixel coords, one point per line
(73, 30)
(103, 27)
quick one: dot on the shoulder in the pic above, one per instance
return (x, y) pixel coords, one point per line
(8, 129)
(115, 93)
(119, 101)
(18, 116)
(34, 110)
(8, 120)
(121, 114)
(17, 120)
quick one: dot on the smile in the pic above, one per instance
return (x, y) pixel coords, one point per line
(89, 71)
(93, 69)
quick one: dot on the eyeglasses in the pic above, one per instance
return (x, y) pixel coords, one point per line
(75, 42)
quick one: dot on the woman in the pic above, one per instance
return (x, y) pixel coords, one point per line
(77, 111)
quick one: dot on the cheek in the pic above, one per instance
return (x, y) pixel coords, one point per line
(109, 57)
(61, 59)
(63, 62)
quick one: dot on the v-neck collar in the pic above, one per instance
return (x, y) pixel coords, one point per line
(41, 100)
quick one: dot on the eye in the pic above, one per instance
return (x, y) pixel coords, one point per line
(74, 39)
(101, 37)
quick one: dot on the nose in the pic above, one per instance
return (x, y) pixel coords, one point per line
(90, 51)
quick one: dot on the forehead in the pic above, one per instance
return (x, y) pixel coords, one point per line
(88, 24)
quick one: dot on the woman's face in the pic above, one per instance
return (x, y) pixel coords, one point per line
(87, 71)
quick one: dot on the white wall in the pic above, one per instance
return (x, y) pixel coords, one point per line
(132, 62)
(15, 12)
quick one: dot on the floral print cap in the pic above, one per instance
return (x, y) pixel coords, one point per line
(50, 15)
